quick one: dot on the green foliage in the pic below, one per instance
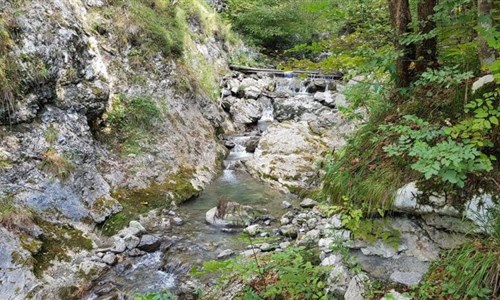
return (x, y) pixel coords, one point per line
(155, 296)
(291, 274)
(434, 155)
(445, 77)
(469, 272)
(131, 120)
(273, 24)
(478, 129)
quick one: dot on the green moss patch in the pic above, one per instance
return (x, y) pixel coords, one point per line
(56, 240)
(138, 201)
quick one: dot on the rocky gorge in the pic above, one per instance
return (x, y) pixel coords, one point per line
(102, 202)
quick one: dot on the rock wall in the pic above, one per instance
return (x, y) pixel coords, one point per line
(296, 122)
(57, 159)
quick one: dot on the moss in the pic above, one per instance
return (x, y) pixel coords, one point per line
(69, 293)
(56, 240)
(138, 201)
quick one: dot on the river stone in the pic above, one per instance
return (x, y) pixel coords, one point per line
(290, 231)
(119, 245)
(149, 243)
(252, 230)
(109, 259)
(225, 254)
(178, 221)
(252, 144)
(137, 225)
(135, 252)
(250, 252)
(131, 241)
(267, 247)
(246, 111)
(235, 215)
(308, 203)
(284, 245)
(252, 92)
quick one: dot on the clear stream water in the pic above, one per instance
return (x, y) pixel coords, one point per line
(196, 241)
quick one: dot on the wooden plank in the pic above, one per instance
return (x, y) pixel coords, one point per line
(283, 73)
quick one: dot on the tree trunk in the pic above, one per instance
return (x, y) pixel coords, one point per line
(401, 19)
(486, 53)
(426, 52)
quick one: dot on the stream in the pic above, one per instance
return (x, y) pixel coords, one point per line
(195, 241)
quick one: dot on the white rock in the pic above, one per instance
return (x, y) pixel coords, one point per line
(137, 225)
(225, 254)
(393, 295)
(178, 221)
(131, 241)
(250, 252)
(356, 288)
(252, 230)
(109, 259)
(332, 260)
(119, 245)
(308, 203)
(286, 204)
(482, 82)
(407, 278)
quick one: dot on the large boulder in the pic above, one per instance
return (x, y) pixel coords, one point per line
(286, 155)
(230, 214)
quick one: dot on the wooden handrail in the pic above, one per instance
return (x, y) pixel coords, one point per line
(249, 70)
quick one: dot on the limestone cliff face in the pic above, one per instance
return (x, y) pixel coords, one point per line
(70, 61)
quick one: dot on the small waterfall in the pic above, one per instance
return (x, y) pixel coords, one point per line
(290, 85)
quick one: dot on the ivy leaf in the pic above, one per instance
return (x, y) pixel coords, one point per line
(494, 120)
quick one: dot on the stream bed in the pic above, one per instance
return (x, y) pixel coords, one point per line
(193, 241)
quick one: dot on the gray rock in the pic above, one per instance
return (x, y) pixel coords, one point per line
(332, 260)
(131, 241)
(356, 288)
(382, 249)
(149, 243)
(252, 230)
(252, 144)
(326, 244)
(284, 221)
(136, 225)
(135, 252)
(109, 259)
(250, 252)
(235, 215)
(178, 221)
(284, 245)
(290, 231)
(286, 204)
(252, 92)
(407, 278)
(308, 203)
(340, 235)
(267, 247)
(225, 254)
(119, 245)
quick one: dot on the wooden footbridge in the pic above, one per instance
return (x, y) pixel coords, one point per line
(288, 74)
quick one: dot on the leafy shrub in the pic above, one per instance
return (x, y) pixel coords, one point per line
(155, 296)
(445, 77)
(291, 274)
(433, 154)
